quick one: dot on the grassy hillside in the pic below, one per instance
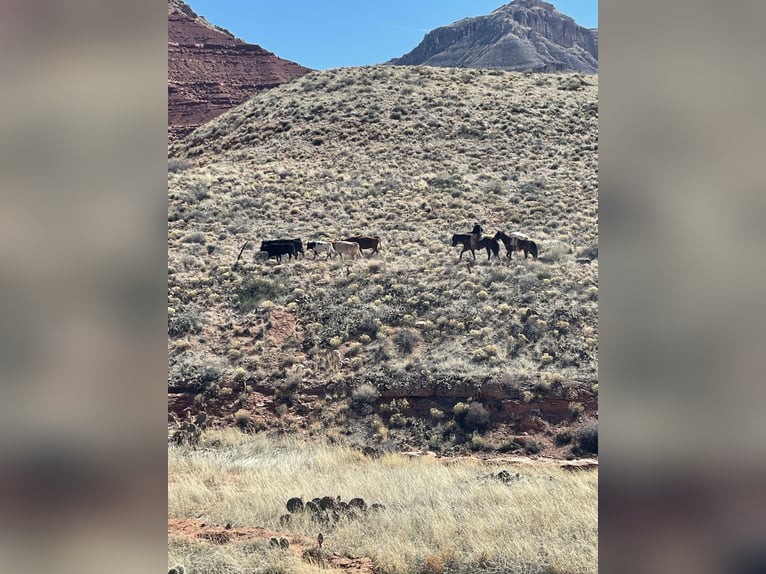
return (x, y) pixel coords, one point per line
(435, 352)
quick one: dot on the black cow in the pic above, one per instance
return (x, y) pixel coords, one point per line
(279, 248)
(297, 243)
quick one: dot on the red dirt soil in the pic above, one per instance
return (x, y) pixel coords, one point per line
(301, 547)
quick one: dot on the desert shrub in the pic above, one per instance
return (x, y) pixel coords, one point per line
(397, 420)
(542, 387)
(479, 442)
(185, 322)
(533, 446)
(477, 417)
(576, 409)
(436, 414)
(242, 418)
(493, 186)
(590, 252)
(175, 164)
(555, 251)
(196, 237)
(406, 341)
(187, 433)
(212, 390)
(509, 446)
(435, 442)
(353, 349)
(586, 440)
(460, 410)
(364, 395)
(200, 191)
(257, 290)
(564, 436)
(473, 417)
(287, 390)
(197, 371)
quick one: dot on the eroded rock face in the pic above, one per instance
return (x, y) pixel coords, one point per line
(523, 35)
(210, 70)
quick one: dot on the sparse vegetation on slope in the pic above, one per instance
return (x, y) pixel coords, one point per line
(413, 155)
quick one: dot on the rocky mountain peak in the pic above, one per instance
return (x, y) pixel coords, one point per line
(529, 4)
(523, 35)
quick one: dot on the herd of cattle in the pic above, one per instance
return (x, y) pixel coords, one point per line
(351, 247)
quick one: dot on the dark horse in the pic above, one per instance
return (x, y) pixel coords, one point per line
(491, 245)
(517, 242)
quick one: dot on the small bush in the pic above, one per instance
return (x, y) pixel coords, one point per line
(478, 442)
(406, 341)
(509, 446)
(175, 165)
(576, 409)
(590, 252)
(196, 237)
(564, 436)
(556, 251)
(197, 371)
(436, 414)
(185, 322)
(242, 418)
(187, 434)
(286, 392)
(257, 290)
(474, 417)
(435, 442)
(397, 420)
(586, 440)
(459, 410)
(364, 395)
(533, 446)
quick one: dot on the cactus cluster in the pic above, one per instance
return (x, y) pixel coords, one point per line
(328, 510)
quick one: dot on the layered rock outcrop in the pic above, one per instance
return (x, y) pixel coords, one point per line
(523, 35)
(210, 70)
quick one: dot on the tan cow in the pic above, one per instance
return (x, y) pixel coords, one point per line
(349, 248)
(366, 242)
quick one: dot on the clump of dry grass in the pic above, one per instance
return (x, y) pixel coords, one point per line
(545, 519)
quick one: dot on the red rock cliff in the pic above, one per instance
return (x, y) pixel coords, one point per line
(210, 71)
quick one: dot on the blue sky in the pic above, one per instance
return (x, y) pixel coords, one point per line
(324, 34)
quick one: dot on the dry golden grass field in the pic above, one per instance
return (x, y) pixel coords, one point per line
(410, 349)
(456, 517)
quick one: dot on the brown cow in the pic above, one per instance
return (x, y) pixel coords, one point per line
(366, 242)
